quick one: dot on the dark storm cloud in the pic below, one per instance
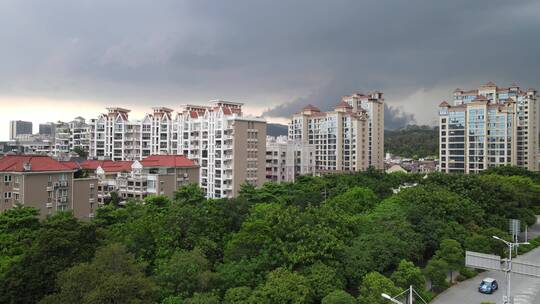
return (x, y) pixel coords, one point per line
(278, 55)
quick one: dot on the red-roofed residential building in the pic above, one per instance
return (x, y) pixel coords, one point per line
(46, 184)
(154, 175)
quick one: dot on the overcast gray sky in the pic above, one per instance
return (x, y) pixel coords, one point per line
(61, 59)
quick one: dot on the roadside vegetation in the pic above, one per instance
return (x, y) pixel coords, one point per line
(342, 238)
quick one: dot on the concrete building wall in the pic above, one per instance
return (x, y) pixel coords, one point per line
(249, 153)
(85, 197)
(186, 176)
(377, 135)
(43, 190)
(166, 184)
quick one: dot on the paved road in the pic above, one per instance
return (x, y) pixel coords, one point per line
(526, 290)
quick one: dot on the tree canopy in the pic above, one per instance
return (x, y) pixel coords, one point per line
(337, 238)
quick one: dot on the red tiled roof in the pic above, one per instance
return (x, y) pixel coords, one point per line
(490, 84)
(193, 114)
(15, 163)
(107, 165)
(311, 108)
(71, 164)
(167, 161)
(343, 105)
(227, 111)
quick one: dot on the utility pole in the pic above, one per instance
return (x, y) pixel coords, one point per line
(508, 271)
(410, 297)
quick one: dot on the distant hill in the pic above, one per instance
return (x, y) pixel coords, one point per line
(276, 129)
(412, 141)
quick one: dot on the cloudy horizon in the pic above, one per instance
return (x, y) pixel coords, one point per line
(60, 59)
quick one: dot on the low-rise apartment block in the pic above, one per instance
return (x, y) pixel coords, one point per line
(154, 175)
(489, 126)
(46, 184)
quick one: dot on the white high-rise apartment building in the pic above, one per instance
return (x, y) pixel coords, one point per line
(276, 158)
(69, 135)
(115, 137)
(489, 126)
(346, 139)
(61, 139)
(80, 134)
(287, 159)
(229, 147)
(156, 132)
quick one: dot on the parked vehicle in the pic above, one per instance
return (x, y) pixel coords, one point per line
(488, 285)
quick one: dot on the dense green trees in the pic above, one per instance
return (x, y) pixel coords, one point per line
(338, 297)
(408, 274)
(373, 285)
(60, 242)
(317, 240)
(112, 276)
(451, 252)
(412, 141)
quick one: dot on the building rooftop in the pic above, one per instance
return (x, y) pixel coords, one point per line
(167, 161)
(311, 107)
(489, 84)
(107, 165)
(343, 105)
(31, 163)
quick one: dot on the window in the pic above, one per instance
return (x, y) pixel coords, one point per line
(7, 195)
(7, 178)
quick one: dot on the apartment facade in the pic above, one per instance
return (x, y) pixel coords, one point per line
(373, 104)
(345, 139)
(276, 158)
(489, 126)
(70, 135)
(46, 184)
(154, 175)
(156, 132)
(115, 137)
(229, 147)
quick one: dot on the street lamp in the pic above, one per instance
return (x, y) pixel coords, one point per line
(509, 265)
(411, 292)
(390, 298)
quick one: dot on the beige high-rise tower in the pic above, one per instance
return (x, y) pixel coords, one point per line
(345, 139)
(487, 127)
